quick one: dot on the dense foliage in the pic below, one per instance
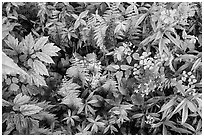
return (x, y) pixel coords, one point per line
(101, 68)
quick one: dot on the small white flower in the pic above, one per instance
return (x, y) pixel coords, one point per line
(141, 62)
(194, 80)
(189, 73)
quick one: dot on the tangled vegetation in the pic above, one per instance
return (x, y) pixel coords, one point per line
(101, 68)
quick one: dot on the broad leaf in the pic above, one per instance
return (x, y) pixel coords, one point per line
(40, 68)
(36, 79)
(44, 57)
(9, 67)
(28, 110)
(21, 99)
(40, 43)
(119, 75)
(50, 50)
(29, 43)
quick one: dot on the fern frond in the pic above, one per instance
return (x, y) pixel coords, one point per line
(99, 33)
(165, 84)
(113, 13)
(110, 85)
(70, 92)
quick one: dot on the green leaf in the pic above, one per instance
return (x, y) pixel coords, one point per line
(188, 126)
(184, 114)
(131, 8)
(129, 59)
(141, 18)
(137, 115)
(125, 67)
(121, 26)
(9, 67)
(112, 67)
(119, 75)
(164, 130)
(168, 105)
(44, 57)
(180, 106)
(40, 68)
(40, 43)
(29, 43)
(161, 46)
(20, 122)
(175, 41)
(191, 106)
(13, 87)
(6, 103)
(83, 14)
(21, 99)
(15, 80)
(8, 81)
(110, 85)
(72, 99)
(137, 99)
(91, 57)
(28, 110)
(12, 42)
(6, 28)
(36, 79)
(50, 50)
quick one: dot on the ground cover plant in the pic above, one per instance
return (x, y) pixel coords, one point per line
(107, 68)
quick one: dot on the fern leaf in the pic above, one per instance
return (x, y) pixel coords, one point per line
(110, 85)
(70, 93)
(99, 34)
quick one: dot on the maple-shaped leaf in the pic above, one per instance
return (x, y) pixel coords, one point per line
(44, 57)
(29, 44)
(40, 68)
(30, 109)
(9, 67)
(21, 99)
(50, 50)
(36, 79)
(40, 43)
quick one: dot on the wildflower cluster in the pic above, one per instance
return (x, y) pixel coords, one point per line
(145, 63)
(123, 50)
(149, 119)
(146, 87)
(188, 79)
